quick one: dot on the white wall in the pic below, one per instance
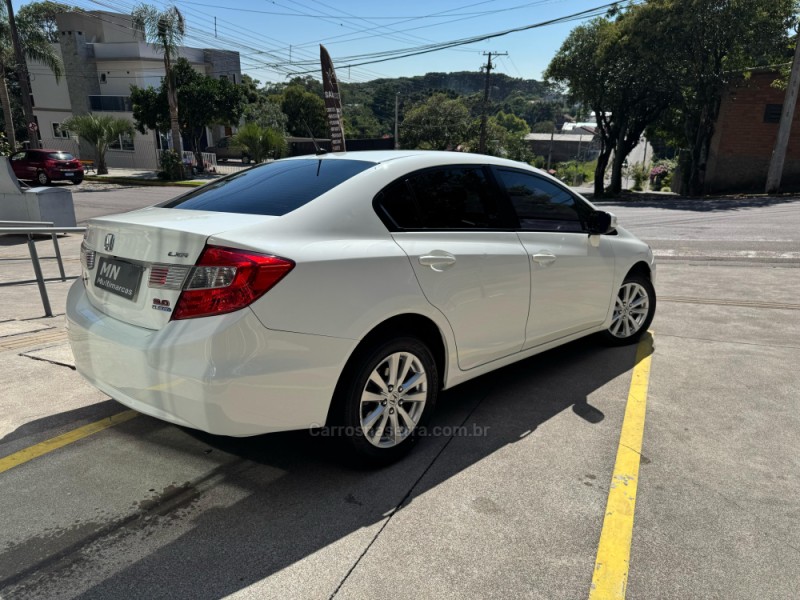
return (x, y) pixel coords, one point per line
(47, 93)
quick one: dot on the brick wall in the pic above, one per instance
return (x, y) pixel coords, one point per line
(743, 142)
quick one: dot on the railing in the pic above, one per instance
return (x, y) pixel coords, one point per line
(30, 228)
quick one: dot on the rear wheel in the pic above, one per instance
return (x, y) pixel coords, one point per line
(387, 397)
(634, 308)
(77, 181)
(42, 178)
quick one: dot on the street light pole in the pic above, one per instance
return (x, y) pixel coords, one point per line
(24, 83)
(775, 172)
(396, 112)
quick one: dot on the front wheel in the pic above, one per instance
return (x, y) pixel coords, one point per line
(634, 309)
(42, 178)
(387, 397)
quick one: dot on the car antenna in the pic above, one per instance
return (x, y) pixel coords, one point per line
(317, 150)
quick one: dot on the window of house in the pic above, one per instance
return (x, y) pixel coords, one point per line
(103, 78)
(772, 113)
(123, 142)
(59, 132)
(542, 205)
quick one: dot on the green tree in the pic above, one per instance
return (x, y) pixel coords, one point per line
(359, 122)
(438, 123)
(260, 109)
(260, 142)
(304, 110)
(36, 46)
(202, 101)
(607, 64)
(544, 127)
(100, 131)
(704, 47)
(165, 30)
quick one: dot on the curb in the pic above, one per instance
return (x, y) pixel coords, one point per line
(141, 181)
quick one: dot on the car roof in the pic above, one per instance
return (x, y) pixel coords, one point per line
(430, 157)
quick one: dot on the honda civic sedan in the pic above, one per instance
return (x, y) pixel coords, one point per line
(346, 291)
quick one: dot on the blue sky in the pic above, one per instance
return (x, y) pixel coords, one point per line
(274, 36)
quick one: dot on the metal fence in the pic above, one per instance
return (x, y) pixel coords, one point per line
(31, 228)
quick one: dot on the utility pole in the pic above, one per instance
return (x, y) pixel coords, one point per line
(785, 128)
(484, 115)
(396, 113)
(24, 83)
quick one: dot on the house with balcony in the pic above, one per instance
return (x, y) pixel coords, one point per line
(103, 56)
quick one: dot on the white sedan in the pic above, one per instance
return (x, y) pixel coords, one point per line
(346, 290)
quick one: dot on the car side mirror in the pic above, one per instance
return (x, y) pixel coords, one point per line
(601, 222)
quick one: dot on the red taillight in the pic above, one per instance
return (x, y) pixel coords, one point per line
(225, 280)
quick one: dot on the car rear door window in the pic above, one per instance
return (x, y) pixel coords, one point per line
(542, 205)
(442, 198)
(273, 189)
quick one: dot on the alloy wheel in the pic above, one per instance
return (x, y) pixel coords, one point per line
(630, 310)
(393, 399)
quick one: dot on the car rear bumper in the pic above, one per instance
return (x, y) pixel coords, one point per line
(60, 174)
(226, 375)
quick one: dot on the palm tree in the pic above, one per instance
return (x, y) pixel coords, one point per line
(165, 30)
(99, 131)
(35, 46)
(260, 142)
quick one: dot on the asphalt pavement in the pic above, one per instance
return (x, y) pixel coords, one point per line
(508, 501)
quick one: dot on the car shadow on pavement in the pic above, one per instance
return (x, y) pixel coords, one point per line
(297, 497)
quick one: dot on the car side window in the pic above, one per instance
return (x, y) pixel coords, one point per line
(457, 197)
(17, 156)
(542, 205)
(396, 203)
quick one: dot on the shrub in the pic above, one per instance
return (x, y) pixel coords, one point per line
(171, 165)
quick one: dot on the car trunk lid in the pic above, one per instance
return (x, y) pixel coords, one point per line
(141, 259)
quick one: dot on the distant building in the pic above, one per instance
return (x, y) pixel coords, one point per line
(562, 147)
(103, 56)
(744, 138)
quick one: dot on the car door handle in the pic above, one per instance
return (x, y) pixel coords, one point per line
(544, 258)
(437, 262)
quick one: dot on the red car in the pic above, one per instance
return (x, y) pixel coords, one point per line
(44, 166)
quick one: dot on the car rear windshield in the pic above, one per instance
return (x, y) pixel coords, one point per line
(272, 189)
(60, 156)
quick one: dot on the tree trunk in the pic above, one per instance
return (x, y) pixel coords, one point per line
(615, 187)
(100, 160)
(174, 123)
(7, 115)
(600, 173)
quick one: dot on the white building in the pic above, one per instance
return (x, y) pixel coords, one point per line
(103, 56)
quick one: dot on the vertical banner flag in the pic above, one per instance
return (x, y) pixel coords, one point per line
(333, 101)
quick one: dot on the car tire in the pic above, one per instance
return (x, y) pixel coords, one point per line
(379, 420)
(76, 181)
(634, 309)
(245, 160)
(42, 178)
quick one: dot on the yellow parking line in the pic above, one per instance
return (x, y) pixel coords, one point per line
(23, 456)
(610, 579)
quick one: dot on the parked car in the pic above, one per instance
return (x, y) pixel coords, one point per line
(44, 166)
(346, 290)
(226, 149)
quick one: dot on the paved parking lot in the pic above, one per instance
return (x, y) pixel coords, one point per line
(508, 500)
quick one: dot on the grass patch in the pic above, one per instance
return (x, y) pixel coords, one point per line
(143, 181)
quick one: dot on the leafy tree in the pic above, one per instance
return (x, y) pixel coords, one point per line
(43, 14)
(438, 123)
(705, 46)
(100, 131)
(360, 122)
(544, 127)
(260, 142)
(512, 123)
(304, 111)
(36, 46)
(259, 108)
(608, 65)
(202, 101)
(165, 30)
